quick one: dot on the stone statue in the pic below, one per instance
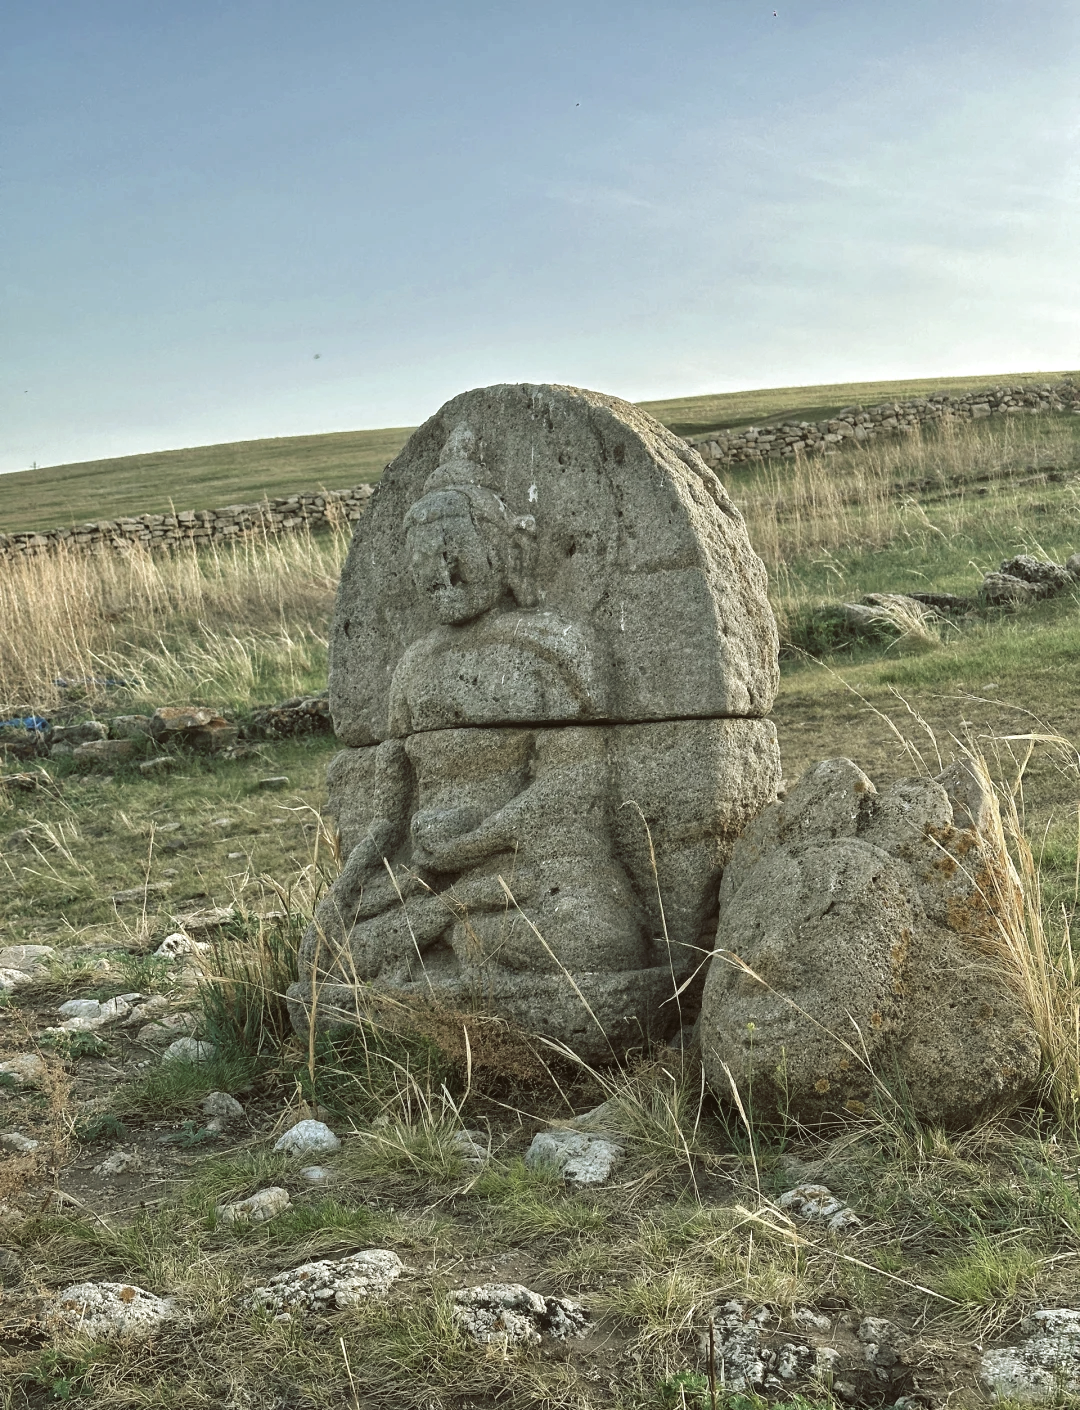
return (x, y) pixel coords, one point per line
(533, 630)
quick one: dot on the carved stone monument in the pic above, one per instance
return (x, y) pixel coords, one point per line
(551, 630)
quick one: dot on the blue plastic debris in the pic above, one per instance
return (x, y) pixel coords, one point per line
(31, 722)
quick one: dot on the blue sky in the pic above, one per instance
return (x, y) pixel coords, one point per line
(654, 200)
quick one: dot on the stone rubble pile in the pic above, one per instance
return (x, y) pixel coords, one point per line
(313, 510)
(856, 425)
(509, 1314)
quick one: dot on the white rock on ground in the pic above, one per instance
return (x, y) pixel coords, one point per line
(17, 1143)
(586, 1160)
(87, 1015)
(25, 1069)
(884, 1345)
(177, 945)
(26, 957)
(308, 1138)
(749, 1358)
(79, 1008)
(315, 1174)
(221, 1106)
(510, 1314)
(188, 1050)
(1048, 1362)
(119, 1163)
(472, 1147)
(151, 1008)
(331, 1282)
(257, 1208)
(19, 964)
(816, 1204)
(104, 1310)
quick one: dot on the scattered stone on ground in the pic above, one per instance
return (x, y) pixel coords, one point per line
(167, 1028)
(274, 781)
(25, 1069)
(330, 1282)
(857, 935)
(155, 1006)
(308, 1138)
(509, 1314)
(87, 1015)
(106, 1310)
(472, 1147)
(17, 1143)
(26, 957)
(816, 1204)
(303, 714)
(119, 1163)
(222, 1106)
(885, 1346)
(103, 751)
(89, 731)
(204, 922)
(21, 964)
(129, 726)
(141, 893)
(177, 945)
(316, 1174)
(164, 765)
(580, 1158)
(188, 1049)
(749, 1357)
(193, 727)
(1046, 1364)
(257, 1208)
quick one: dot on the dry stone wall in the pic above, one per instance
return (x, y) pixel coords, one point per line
(315, 510)
(857, 424)
(320, 509)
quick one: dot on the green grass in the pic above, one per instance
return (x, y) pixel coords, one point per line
(202, 477)
(207, 477)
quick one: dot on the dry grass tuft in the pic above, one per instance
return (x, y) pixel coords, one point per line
(193, 624)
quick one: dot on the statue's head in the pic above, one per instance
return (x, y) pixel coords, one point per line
(466, 550)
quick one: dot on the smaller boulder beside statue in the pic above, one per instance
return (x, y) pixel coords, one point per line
(866, 954)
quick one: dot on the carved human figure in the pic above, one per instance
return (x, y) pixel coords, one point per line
(491, 772)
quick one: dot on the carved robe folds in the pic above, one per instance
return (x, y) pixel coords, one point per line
(551, 630)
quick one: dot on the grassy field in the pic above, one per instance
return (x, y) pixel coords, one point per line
(203, 477)
(206, 477)
(962, 1234)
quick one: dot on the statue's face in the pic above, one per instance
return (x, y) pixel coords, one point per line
(454, 569)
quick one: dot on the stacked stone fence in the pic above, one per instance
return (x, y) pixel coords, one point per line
(313, 511)
(323, 509)
(856, 424)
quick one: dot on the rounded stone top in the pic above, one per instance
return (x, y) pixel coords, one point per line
(545, 555)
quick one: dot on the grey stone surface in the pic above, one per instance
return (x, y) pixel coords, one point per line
(258, 1208)
(816, 1204)
(24, 1070)
(514, 712)
(858, 946)
(308, 1138)
(586, 523)
(103, 1311)
(331, 1282)
(222, 1106)
(103, 751)
(17, 1144)
(510, 1315)
(26, 957)
(578, 1157)
(1046, 1364)
(751, 1356)
(188, 1049)
(1006, 590)
(1042, 573)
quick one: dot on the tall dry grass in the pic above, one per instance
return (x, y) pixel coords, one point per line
(218, 624)
(866, 496)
